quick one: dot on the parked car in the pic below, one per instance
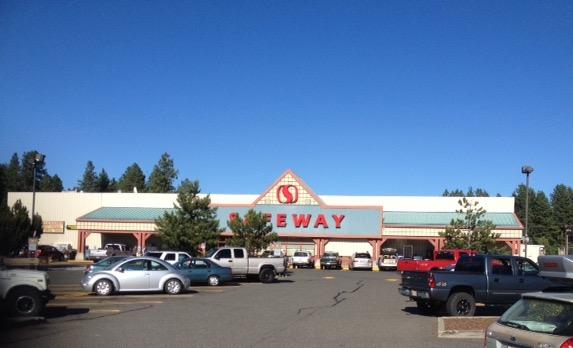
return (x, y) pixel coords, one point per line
(441, 259)
(266, 268)
(302, 258)
(49, 252)
(173, 257)
(136, 274)
(103, 264)
(487, 279)
(110, 249)
(204, 271)
(330, 259)
(388, 259)
(23, 293)
(67, 249)
(542, 319)
(361, 261)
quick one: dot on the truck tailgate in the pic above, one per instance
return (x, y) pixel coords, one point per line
(415, 280)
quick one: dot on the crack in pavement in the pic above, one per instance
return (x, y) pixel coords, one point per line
(336, 298)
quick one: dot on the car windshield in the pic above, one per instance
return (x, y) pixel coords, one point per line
(109, 261)
(330, 254)
(539, 315)
(300, 253)
(211, 252)
(154, 254)
(445, 255)
(362, 256)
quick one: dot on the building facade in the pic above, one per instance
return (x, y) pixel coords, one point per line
(302, 219)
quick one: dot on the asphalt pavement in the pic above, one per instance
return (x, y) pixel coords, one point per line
(311, 308)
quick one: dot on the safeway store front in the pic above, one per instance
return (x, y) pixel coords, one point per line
(302, 219)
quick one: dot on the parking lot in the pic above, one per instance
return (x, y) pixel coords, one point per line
(309, 308)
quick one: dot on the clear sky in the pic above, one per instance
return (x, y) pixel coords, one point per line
(357, 97)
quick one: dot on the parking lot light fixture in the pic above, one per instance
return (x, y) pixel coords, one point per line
(526, 170)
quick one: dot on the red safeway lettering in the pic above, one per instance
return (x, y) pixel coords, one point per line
(281, 220)
(321, 220)
(301, 220)
(338, 219)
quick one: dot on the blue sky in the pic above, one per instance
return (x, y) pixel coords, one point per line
(357, 97)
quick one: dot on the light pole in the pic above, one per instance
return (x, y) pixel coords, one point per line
(37, 160)
(526, 170)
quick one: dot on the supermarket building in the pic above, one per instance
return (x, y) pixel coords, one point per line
(302, 219)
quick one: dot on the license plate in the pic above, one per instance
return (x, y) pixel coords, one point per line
(414, 293)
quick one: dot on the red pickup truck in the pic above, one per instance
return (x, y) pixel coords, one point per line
(442, 259)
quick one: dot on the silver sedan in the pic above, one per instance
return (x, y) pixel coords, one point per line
(136, 274)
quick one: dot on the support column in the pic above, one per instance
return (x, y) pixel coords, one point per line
(82, 236)
(435, 243)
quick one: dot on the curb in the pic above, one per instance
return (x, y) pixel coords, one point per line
(473, 327)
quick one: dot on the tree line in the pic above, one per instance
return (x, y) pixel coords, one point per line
(161, 179)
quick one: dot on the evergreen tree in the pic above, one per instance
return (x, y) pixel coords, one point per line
(113, 185)
(562, 204)
(541, 225)
(252, 232)
(192, 222)
(51, 184)
(13, 175)
(27, 171)
(89, 181)
(163, 175)
(103, 182)
(3, 186)
(132, 177)
(16, 228)
(471, 230)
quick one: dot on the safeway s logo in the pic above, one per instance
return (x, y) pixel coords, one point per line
(287, 194)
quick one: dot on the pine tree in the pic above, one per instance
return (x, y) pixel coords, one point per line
(541, 225)
(103, 181)
(193, 222)
(253, 232)
(163, 175)
(13, 174)
(471, 230)
(562, 205)
(16, 228)
(51, 184)
(132, 177)
(89, 181)
(27, 171)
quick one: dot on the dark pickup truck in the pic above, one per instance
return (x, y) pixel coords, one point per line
(487, 279)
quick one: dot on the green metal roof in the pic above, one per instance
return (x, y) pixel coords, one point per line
(124, 214)
(391, 218)
(442, 219)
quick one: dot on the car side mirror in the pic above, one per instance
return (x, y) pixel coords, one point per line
(120, 269)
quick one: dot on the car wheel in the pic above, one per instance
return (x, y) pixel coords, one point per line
(24, 302)
(461, 304)
(103, 287)
(173, 286)
(213, 280)
(267, 275)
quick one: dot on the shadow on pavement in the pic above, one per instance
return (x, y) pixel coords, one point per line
(481, 311)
